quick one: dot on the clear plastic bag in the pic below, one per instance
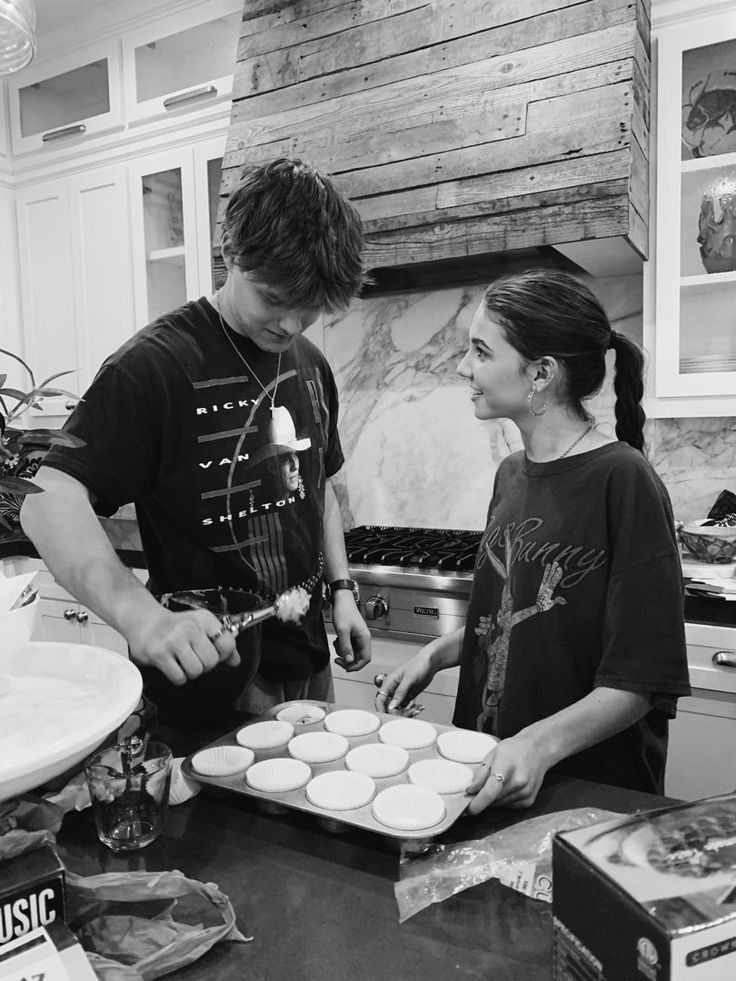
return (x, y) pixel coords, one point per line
(520, 856)
(124, 922)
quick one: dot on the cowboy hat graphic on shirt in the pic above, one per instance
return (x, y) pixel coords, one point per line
(279, 455)
(281, 437)
(282, 434)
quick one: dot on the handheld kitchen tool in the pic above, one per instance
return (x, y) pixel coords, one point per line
(409, 711)
(289, 607)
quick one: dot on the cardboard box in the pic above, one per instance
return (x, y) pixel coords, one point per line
(32, 892)
(51, 952)
(648, 897)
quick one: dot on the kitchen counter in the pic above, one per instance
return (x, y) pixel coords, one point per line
(320, 905)
(123, 535)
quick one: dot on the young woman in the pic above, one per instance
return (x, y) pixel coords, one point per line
(573, 651)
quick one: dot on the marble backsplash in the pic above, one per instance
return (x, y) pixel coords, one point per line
(416, 455)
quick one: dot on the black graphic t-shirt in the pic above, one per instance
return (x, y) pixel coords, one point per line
(577, 584)
(227, 493)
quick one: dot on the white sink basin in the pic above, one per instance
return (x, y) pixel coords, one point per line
(58, 702)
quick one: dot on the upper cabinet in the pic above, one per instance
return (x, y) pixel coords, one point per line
(182, 63)
(66, 99)
(174, 199)
(693, 334)
(75, 276)
(458, 129)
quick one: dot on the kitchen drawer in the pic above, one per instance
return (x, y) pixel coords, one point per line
(706, 645)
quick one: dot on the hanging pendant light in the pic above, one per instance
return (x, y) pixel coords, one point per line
(17, 34)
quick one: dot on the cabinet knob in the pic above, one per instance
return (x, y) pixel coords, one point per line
(376, 607)
(70, 614)
(726, 659)
(82, 616)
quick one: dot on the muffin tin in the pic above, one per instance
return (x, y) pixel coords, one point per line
(359, 817)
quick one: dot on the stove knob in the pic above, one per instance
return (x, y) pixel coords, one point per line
(376, 607)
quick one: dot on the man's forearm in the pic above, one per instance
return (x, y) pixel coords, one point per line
(69, 538)
(336, 560)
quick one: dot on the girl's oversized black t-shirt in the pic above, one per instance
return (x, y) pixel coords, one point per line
(577, 584)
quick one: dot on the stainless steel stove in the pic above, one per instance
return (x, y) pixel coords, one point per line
(414, 582)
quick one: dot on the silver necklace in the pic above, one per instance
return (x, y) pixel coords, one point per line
(269, 395)
(580, 438)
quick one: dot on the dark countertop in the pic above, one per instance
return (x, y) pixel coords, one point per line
(321, 905)
(16, 543)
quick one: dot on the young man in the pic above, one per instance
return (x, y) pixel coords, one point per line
(181, 421)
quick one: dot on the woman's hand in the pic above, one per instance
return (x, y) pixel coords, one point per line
(510, 776)
(405, 683)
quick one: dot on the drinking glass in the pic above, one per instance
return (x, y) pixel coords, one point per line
(129, 790)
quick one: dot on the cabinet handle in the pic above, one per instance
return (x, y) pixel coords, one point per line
(206, 92)
(726, 659)
(70, 614)
(82, 616)
(56, 134)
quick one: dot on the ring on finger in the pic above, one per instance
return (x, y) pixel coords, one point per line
(216, 636)
(499, 776)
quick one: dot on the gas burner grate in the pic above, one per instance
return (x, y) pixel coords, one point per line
(420, 548)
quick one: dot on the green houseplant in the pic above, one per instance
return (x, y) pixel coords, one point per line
(22, 450)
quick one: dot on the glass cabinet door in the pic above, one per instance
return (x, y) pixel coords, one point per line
(66, 98)
(81, 93)
(696, 203)
(708, 210)
(163, 230)
(174, 220)
(214, 176)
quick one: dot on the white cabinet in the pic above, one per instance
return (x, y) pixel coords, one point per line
(182, 63)
(65, 99)
(701, 759)
(173, 212)
(76, 274)
(62, 617)
(4, 131)
(693, 331)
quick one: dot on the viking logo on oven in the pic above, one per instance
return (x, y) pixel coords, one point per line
(427, 611)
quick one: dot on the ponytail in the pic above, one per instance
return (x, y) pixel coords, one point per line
(628, 386)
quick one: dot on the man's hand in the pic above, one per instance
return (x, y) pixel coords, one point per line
(182, 645)
(353, 642)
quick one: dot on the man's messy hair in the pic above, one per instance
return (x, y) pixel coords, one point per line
(288, 224)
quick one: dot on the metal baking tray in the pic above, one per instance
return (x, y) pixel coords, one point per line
(359, 817)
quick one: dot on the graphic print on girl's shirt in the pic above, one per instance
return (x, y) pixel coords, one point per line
(494, 633)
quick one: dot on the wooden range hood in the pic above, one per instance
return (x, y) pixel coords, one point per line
(462, 130)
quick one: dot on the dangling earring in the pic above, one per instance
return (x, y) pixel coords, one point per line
(529, 399)
(300, 488)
